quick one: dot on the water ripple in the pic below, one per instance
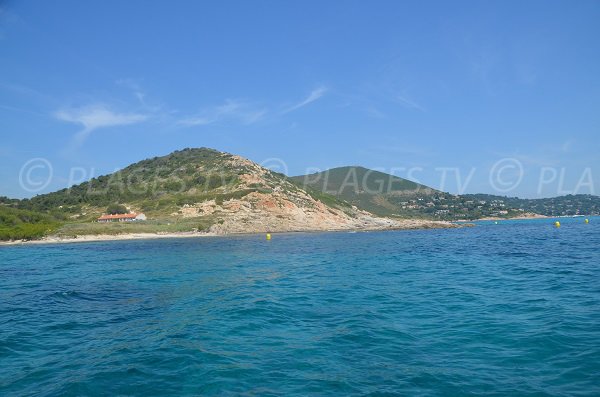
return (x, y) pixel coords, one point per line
(511, 310)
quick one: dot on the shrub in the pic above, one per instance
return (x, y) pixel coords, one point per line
(114, 209)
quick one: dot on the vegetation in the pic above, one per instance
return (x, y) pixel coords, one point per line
(115, 209)
(164, 225)
(188, 171)
(569, 205)
(388, 195)
(161, 186)
(16, 224)
(364, 188)
(8, 201)
(157, 186)
(347, 182)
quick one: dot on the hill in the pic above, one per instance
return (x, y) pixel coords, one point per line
(568, 205)
(370, 190)
(198, 190)
(388, 195)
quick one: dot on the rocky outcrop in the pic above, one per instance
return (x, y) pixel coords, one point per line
(274, 204)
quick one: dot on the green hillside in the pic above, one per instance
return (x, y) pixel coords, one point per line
(569, 205)
(167, 188)
(153, 185)
(159, 187)
(17, 224)
(370, 190)
(388, 195)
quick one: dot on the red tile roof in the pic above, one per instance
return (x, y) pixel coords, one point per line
(117, 216)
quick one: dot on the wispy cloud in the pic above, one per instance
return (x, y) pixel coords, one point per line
(246, 112)
(567, 145)
(375, 98)
(136, 89)
(232, 109)
(94, 117)
(100, 115)
(408, 103)
(314, 95)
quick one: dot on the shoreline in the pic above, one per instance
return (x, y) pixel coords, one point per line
(527, 217)
(512, 218)
(107, 237)
(409, 224)
(412, 225)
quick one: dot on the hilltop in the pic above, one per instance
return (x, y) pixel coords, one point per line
(200, 190)
(370, 190)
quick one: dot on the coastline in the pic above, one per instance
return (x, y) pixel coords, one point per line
(532, 216)
(514, 218)
(412, 224)
(107, 237)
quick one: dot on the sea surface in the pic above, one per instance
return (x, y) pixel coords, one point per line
(498, 309)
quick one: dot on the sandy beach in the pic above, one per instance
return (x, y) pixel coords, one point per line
(107, 237)
(399, 225)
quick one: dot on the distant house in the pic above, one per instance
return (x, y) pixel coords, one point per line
(122, 218)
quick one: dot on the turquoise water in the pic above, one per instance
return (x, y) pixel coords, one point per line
(508, 309)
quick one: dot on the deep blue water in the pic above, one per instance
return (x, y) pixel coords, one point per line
(507, 309)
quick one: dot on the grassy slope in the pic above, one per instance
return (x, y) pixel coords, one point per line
(385, 195)
(158, 187)
(151, 226)
(367, 189)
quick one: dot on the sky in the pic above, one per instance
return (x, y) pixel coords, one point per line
(498, 97)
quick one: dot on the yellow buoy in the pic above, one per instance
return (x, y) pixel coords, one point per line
(557, 224)
(268, 236)
(587, 221)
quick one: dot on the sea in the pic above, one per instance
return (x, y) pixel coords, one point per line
(506, 308)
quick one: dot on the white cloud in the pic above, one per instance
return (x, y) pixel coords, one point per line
(231, 109)
(409, 103)
(243, 112)
(135, 88)
(96, 116)
(567, 146)
(315, 95)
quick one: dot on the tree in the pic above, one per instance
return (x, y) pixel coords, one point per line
(114, 209)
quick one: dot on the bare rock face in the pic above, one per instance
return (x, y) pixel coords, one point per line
(274, 204)
(202, 191)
